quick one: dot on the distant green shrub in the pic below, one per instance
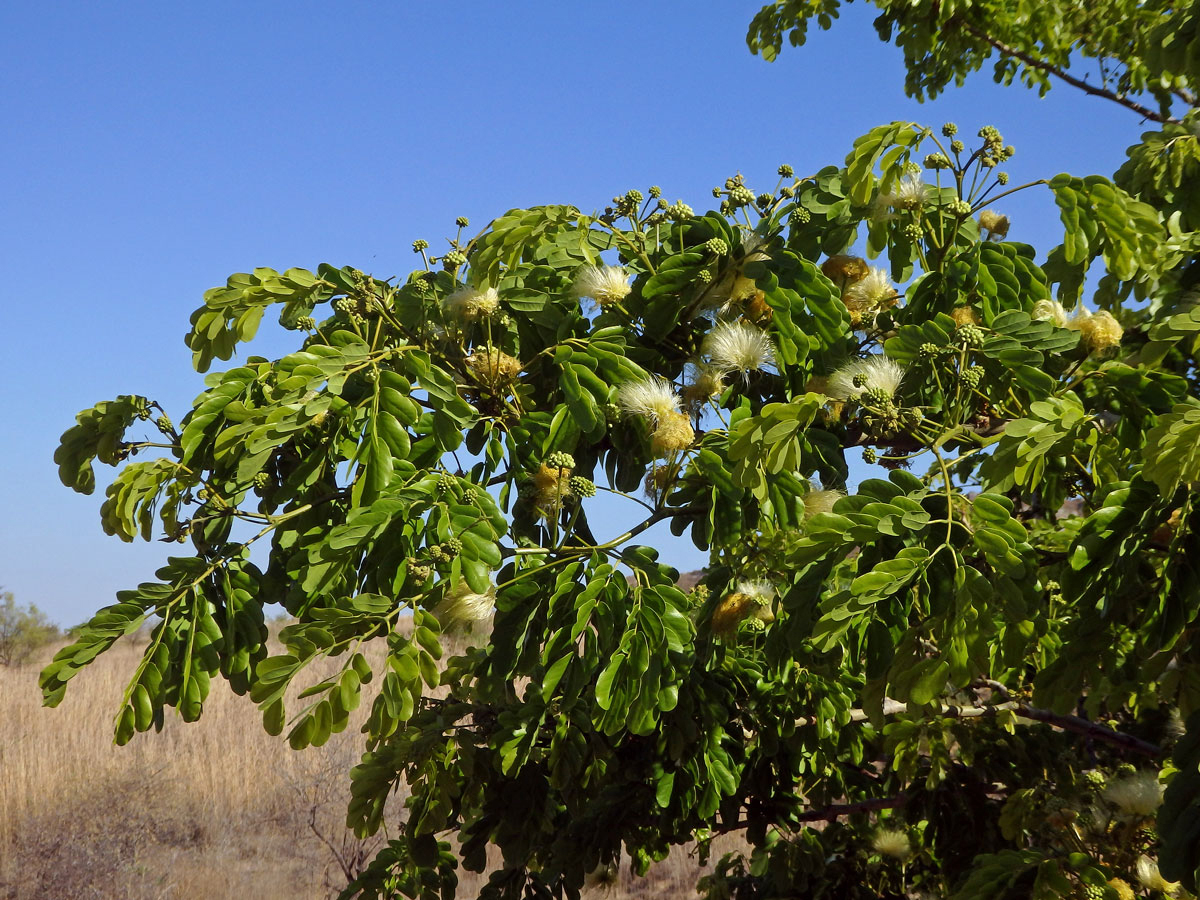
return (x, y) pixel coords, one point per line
(23, 630)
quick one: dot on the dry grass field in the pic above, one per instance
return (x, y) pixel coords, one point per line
(215, 809)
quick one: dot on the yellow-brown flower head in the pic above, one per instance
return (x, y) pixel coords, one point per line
(673, 434)
(845, 270)
(893, 843)
(462, 608)
(1100, 331)
(1121, 886)
(658, 479)
(706, 383)
(730, 612)
(551, 487)
(964, 315)
(493, 367)
(993, 223)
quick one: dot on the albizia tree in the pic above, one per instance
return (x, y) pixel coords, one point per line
(935, 684)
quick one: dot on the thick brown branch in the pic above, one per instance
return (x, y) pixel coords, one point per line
(1043, 66)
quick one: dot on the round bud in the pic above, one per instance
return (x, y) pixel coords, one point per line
(787, 191)
(764, 200)
(452, 547)
(717, 193)
(419, 245)
(937, 161)
(655, 192)
(1002, 177)
(960, 207)
(164, 424)
(716, 246)
(582, 487)
(786, 171)
(261, 480)
(559, 459)
(801, 215)
(462, 221)
(869, 455)
(958, 146)
(949, 129)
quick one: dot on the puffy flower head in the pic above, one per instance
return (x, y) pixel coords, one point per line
(1101, 332)
(875, 373)
(870, 294)
(650, 398)
(730, 612)
(604, 284)
(893, 843)
(820, 501)
(706, 382)
(1121, 886)
(1136, 795)
(1151, 878)
(910, 193)
(673, 434)
(738, 347)
(1050, 311)
(468, 304)
(993, 222)
(463, 608)
(843, 270)
(493, 367)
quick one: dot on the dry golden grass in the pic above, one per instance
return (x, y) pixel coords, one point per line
(214, 809)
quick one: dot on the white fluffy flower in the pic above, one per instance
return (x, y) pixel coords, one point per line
(468, 304)
(1050, 311)
(1136, 795)
(870, 374)
(463, 608)
(892, 843)
(820, 501)
(652, 399)
(1151, 878)
(736, 346)
(604, 284)
(910, 192)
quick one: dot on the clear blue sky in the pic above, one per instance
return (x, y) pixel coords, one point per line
(154, 148)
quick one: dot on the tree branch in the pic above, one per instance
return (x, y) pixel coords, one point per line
(1074, 724)
(1043, 66)
(837, 810)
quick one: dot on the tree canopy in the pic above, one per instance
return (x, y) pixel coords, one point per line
(963, 677)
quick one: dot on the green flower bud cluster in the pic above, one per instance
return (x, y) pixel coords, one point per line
(444, 483)
(704, 276)
(445, 551)
(949, 129)
(910, 168)
(870, 456)
(786, 171)
(969, 336)
(787, 191)
(929, 350)
(345, 305)
(957, 146)
(752, 625)
(960, 207)
(764, 200)
(419, 245)
(1094, 780)
(452, 259)
(663, 204)
(261, 480)
(716, 246)
(913, 231)
(419, 571)
(1002, 177)
(741, 196)
(679, 211)
(560, 459)
(462, 221)
(655, 191)
(937, 161)
(582, 487)
(971, 376)
(800, 216)
(164, 425)
(876, 397)
(306, 323)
